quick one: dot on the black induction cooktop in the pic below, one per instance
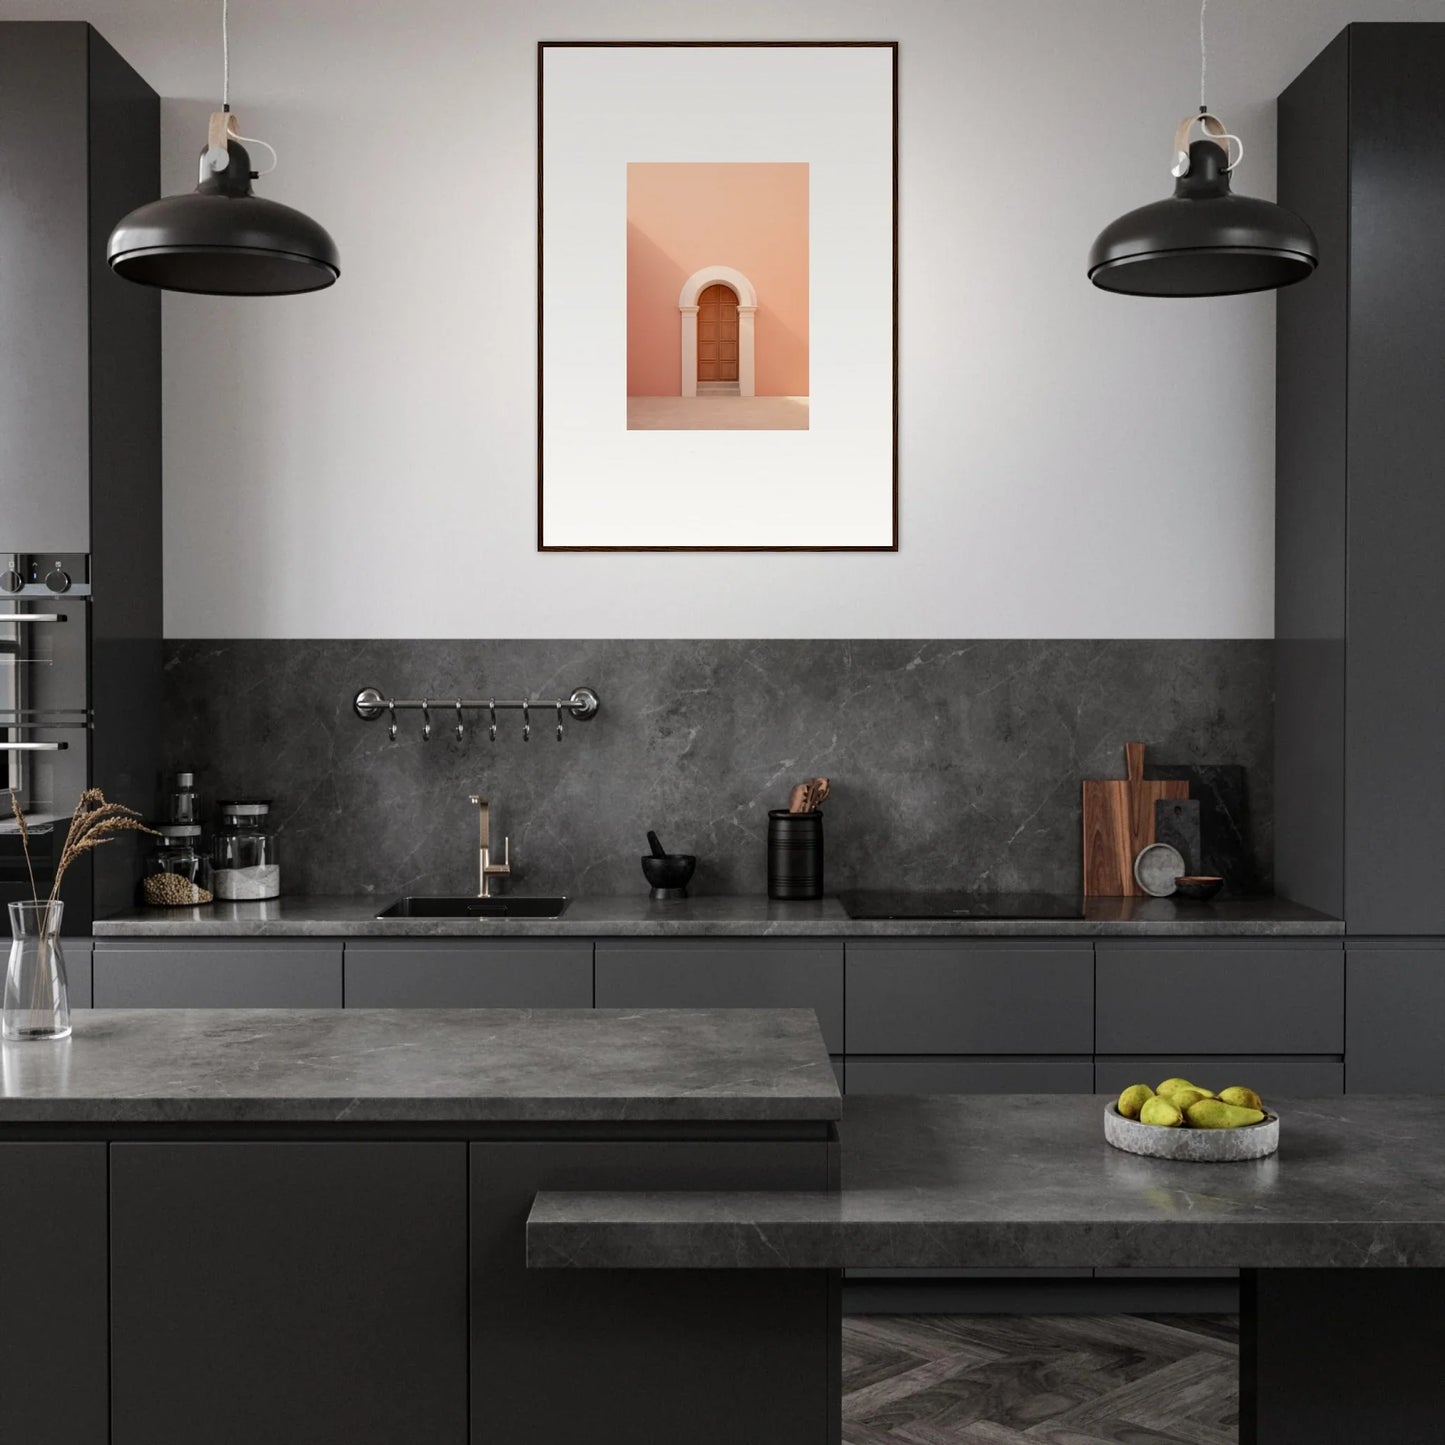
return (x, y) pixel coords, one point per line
(870, 904)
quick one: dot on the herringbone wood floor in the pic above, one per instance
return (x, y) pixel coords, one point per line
(1040, 1380)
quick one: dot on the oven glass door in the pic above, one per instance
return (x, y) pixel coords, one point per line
(44, 742)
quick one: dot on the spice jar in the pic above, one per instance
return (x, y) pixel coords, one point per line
(244, 864)
(177, 873)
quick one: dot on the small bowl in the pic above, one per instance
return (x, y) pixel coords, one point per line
(1157, 868)
(1199, 886)
(669, 874)
(1192, 1146)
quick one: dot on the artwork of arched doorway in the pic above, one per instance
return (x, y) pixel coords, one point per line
(718, 305)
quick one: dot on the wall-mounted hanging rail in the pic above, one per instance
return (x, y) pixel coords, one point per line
(371, 703)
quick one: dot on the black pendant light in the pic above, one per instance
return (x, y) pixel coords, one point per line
(1203, 240)
(222, 239)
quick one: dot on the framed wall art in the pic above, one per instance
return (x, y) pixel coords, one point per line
(717, 296)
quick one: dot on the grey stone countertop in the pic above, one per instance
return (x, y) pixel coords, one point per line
(717, 915)
(425, 1066)
(1027, 1181)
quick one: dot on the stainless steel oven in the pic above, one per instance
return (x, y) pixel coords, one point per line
(45, 720)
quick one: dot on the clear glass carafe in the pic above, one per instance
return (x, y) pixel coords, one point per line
(37, 1001)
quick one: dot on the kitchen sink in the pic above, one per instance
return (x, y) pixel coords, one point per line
(474, 907)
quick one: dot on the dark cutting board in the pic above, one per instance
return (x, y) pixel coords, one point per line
(1176, 822)
(1224, 825)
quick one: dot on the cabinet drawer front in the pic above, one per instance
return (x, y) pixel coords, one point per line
(1273, 1077)
(55, 1344)
(967, 998)
(1397, 1019)
(288, 1292)
(970, 1076)
(520, 974)
(762, 973)
(192, 975)
(77, 970)
(1222, 999)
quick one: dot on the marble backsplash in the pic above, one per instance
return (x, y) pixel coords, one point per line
(953, 764)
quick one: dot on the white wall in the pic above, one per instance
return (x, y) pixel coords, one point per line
(362, 462)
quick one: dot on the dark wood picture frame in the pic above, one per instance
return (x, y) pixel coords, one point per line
(542, 47)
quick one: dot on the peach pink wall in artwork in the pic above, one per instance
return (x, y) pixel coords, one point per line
(683, 216)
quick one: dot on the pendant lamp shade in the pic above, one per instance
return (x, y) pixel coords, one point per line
(1203, 240)
(224, 240)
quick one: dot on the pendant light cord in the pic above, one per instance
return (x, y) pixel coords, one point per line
(1203, 56)
(215, 158)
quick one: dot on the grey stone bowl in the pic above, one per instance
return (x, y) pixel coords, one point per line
(1197, 1146)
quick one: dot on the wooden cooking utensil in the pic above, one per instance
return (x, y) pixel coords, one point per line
(808, 796)
(1119, 822)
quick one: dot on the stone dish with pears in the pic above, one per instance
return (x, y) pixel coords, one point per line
(1182, 1120)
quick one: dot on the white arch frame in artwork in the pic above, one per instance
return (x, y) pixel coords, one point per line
(747, 295)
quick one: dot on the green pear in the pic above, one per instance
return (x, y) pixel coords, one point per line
(1169, 1086)
(1133, 1099)
(1183, 1098)
(1244, 1098)
(1215, 1114)
(1161, 1112)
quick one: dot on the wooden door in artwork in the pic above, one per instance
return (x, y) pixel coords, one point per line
(717, 334)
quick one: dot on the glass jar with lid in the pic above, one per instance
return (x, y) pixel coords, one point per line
(244, 862)
(178, 871)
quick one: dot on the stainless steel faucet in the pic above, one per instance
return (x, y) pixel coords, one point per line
(486, 869)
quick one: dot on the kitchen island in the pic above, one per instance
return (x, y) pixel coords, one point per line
(309, 1226)
(1341, 1235)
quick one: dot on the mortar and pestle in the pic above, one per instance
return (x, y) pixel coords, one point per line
(667, 872)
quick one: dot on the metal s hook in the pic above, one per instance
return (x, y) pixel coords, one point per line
(492, 730)
(426, 720)
(526, 722)
(461, 726)
(559, 722)
(391, 708)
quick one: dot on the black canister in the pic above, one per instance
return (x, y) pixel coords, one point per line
(795, 854)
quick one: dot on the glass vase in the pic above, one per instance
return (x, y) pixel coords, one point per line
(37, 1001)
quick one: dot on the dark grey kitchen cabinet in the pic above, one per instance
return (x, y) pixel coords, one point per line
(210, 973)
(80, 433)
(703, 973)
(970, 1076)
(1155, 996)
(83, 147)
(954, 996)
(1360, 512)
(77, 970)
(1396, 1041)
(364, 1243)
(493, 973)
(53, 1327)
(1298, 1076)
(44, 302)
(547, 1360)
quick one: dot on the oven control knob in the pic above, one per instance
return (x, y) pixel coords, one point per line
(11, 581)
(58, 580)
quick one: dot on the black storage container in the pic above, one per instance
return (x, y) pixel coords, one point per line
(795, 854)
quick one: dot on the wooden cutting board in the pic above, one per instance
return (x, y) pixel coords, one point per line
(1118, 822)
